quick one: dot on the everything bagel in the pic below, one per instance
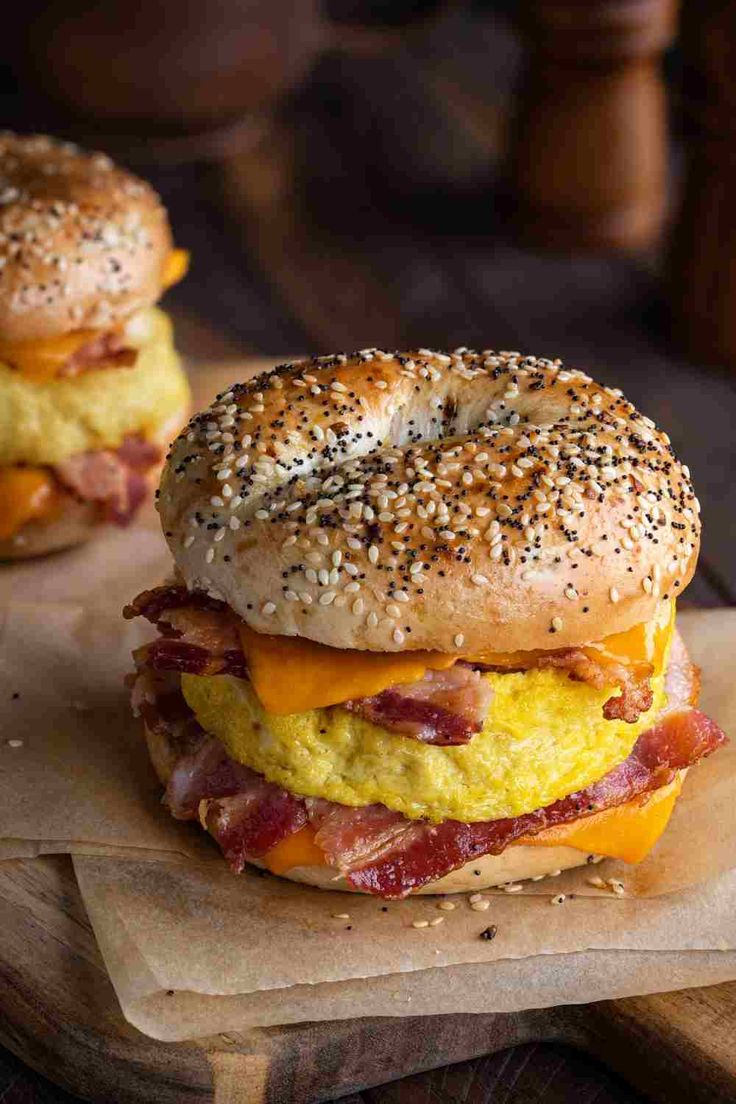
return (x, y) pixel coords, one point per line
(91, 388)
(83, 243)
(421, 500)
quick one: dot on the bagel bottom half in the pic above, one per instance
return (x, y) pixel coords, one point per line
(517, 863)
(75, 520)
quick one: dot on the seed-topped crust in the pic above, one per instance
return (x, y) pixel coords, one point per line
(461, 502)
(82, 243)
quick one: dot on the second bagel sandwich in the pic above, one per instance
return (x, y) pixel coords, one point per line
(91, 388)
(421, 636)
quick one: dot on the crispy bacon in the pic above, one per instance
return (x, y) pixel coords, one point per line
(107, 350)
(392, 864)
(114, 479)
(443, 708)
(636, 693)
(251, 822)
(207, 772)
(200, 634)
(152, 604)
(378, 850)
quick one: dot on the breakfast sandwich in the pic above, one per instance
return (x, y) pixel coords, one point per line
(91, 389)
(421, 634)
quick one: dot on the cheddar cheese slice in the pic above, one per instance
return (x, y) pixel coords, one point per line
(627, 832)
(25, 495)
(293, 675)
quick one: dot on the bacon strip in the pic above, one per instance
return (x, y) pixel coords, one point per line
(107, 350)
(378, 850)
(443, 708)
(424, 852)
(114, 479)
(636, 695)
(251, 822)
(207, 772)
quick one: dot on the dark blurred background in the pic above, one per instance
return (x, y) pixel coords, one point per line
(555, 176)
(406, 171)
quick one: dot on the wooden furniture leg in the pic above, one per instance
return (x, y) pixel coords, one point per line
(702, 265)
(590, 165)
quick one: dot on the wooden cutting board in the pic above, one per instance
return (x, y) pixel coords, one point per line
(59, 1014)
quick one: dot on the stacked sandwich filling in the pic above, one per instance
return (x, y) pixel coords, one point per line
(94, 428)
(91, 389)
(423, 623)
(397, 787)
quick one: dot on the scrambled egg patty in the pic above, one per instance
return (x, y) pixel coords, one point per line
(545, 737)
(45, 422)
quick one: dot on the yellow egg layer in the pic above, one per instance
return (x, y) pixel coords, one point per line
(545, 737)
(43, 422)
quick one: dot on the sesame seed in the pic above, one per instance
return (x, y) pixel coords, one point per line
(446, 906)
(556, 623)
(480, 906)
(558, 900)
(420, 923)
(459, 640)
(268, 609)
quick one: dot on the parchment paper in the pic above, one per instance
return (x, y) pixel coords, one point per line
(191, 949)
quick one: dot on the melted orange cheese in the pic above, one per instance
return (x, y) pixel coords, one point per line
(293, 675)
(175, 268)
(26, 494)
(44, 359)
(627, 832)
(297, 850)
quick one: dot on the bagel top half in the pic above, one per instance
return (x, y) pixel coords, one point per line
(83, 244)
(421, 500)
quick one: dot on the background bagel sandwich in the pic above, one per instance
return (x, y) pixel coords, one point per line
(422, 632)
(91, 389)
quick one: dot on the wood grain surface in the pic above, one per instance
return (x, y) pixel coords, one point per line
(59, 1013)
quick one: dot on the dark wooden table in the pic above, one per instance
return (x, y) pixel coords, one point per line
(322, 238)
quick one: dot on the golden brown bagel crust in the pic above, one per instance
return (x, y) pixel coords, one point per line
(82, 243)
(460, 502)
